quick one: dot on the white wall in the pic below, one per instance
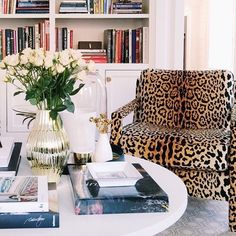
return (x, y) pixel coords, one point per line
(221, 34)
(169, 34)
(211, 35)
(196, 12)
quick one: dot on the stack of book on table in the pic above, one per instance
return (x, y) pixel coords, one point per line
(28, 202)
(102, 188)
(9, 156)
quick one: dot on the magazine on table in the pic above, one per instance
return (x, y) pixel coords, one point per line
(23, 193)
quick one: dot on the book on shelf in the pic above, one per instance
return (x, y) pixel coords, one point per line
(90, 45)
(64, 38)
(13, 166)
(96, 55)
(48, 219)
(126, 46)
(23, 194)
(17, 39)
(73, 7)
(7, 144)
(130, 7)
(31, 6)
(7, 6)
(146, 196)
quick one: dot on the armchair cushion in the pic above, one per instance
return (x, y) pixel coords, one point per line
(180, 148)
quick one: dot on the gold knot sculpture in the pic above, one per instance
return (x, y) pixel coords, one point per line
(102, 123)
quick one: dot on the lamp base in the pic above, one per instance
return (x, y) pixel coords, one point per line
(82, 158)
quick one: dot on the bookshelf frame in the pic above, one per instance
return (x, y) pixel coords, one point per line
(163, 17)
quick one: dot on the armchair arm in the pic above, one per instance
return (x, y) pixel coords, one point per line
(117, 118)
(232, 173)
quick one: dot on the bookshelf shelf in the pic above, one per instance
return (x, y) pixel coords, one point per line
(24, 16)
(102, 16)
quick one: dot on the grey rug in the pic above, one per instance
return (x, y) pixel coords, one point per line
(202, 218)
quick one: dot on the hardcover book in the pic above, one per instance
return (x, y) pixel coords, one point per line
(23, 194)
(6, 148)
(49, 219)
(13, 166)
(145, 196)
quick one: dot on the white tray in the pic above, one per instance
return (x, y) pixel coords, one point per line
(114, 173)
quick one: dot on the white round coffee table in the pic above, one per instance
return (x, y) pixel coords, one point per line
(113, 224)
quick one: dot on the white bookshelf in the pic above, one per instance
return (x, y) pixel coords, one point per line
(164, 36)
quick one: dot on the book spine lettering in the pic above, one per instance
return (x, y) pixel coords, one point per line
(29, 220)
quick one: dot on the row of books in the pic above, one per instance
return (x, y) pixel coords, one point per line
(101, 7)
(126, 46)
(24, 6)
(32, 6)
(127, 7)
(7, 6)
(63, 38)
(13, 41)
(121, 46)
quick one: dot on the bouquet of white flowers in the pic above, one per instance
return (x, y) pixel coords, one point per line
(47, 79)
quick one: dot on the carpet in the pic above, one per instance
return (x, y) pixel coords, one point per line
(202, 218)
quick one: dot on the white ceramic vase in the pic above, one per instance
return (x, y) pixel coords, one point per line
(103, 151)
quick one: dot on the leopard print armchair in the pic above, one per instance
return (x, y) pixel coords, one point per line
(185, 121)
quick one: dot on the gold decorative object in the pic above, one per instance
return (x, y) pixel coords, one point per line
(103, 151)
(47, 147)
(102, 123)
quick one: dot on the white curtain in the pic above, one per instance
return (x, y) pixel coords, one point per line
(222, 34)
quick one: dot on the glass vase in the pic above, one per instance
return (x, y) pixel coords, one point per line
(47, 146)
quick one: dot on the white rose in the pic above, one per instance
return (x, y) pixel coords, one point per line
(81, 75)
(75, 54)
(2, 65)
(23, 59)
(11, 60)
(27, 52)
(48, 62)
(40, 52)
(91, 66)
(64, 58)
(38, 61)
(31, 58)
(59, 68)
(81, 63)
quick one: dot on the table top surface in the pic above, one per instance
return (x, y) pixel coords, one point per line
(134, 224)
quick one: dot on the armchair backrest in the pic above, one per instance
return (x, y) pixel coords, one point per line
(208, 100)
(185, 99)
(160, 97)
